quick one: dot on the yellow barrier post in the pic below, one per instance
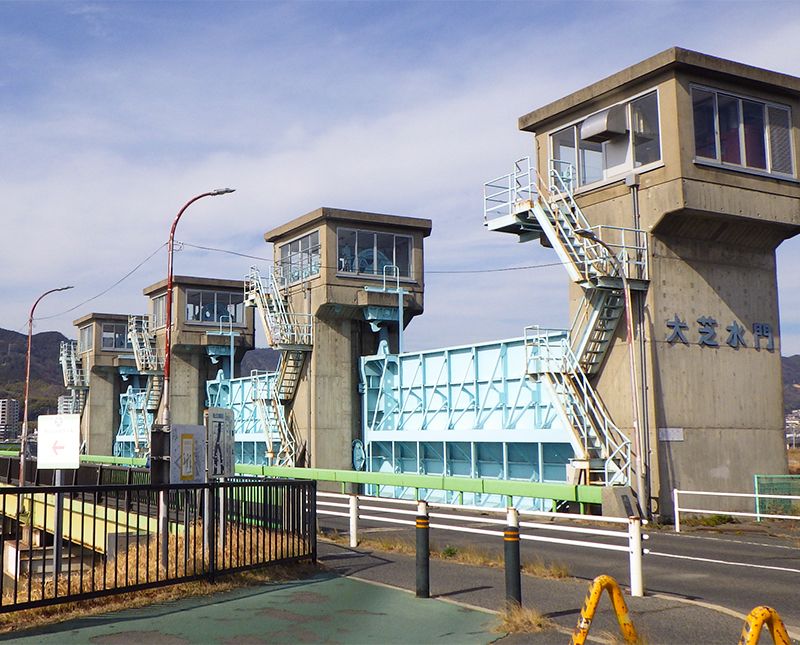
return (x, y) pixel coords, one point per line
(590, 606)
(755, 621)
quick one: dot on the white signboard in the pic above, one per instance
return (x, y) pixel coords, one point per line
(220, 442)
(187, 454)
(59, 441)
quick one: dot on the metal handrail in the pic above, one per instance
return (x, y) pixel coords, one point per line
(502, 194)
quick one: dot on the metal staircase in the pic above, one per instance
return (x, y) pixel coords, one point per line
(286, 331)
(522, 204)
(76, 378)
(605, 455)
(141, 404)
(291, 333)
(149, 359)
(273, 418)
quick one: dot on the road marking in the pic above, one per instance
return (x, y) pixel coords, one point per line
(734, 564)
(682, 536)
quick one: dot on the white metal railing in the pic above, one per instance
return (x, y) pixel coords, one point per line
(704, 511)
(148, 357)
(282, 326)
(501, 195)
(630, 249)
(352, 507)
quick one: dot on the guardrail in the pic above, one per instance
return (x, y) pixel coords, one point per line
(510, 489)
(676, 493)
(395, 511)
(122, 538)
(101, 469)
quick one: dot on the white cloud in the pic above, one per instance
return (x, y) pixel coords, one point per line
(113, 118)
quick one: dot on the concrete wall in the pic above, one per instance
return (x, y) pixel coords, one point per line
(712, 234)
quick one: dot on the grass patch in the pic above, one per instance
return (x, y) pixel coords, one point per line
(710, 520)
(521, 620)
(542, 569)
(462, 555)
(449, 552)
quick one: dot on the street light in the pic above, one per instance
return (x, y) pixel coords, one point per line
(637, 433)
(165, 418)
(24, 441)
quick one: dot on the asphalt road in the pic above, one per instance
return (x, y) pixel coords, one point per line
(738, 567)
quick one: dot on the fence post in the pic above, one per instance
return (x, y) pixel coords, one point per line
(353, 521)
(635, 546)
(676, 510)
(512, 559)
(423, 552)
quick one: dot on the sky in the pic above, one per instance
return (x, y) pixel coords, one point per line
(114, 114)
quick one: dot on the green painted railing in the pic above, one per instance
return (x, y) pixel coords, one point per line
(508, 488)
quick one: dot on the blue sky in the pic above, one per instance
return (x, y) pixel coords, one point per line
(114, 114)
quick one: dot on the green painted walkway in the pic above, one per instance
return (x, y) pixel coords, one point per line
(322, 609)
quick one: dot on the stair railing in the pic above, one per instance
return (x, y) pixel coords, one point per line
(549, 353)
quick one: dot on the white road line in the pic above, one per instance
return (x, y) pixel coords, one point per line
(682, 536)
(733, 564)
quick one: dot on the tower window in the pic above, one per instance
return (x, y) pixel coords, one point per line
(299, 259)
(214, 306)
(115, 336)
(372, 253)
(608, 143)
(736, 131)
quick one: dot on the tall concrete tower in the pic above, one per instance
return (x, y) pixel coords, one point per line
(353, 273)
(695, 159)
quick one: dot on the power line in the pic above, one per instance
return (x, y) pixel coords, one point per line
(454, 271)
(105, 291)
(256, 257)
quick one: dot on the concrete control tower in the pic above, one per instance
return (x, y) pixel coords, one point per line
(352, 273)
(695, 159)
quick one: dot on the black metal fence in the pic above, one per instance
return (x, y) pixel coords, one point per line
(119, 538)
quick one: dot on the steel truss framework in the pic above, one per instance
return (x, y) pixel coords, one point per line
(467, 411)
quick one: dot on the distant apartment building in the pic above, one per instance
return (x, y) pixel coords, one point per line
(9, 419)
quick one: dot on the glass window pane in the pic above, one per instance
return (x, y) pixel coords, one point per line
(85, 338)
(644, 127)
(107, 336)
(564, 159)
(347, 250)
(755, 149)
(194, 300)
(365, 257)
(385, 254)
(705, 139)
(780, 144)
(729, 146)
(402, 255)
(590, 163)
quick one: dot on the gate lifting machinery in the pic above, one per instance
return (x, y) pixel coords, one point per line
(521, 203)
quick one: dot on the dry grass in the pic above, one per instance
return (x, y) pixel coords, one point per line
(469, 555)
(140, 564)
(521, 620)
(542, 569)
(794, 461)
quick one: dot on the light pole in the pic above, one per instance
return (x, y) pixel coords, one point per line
(641, 489)
(24, 440)
(165, 417)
